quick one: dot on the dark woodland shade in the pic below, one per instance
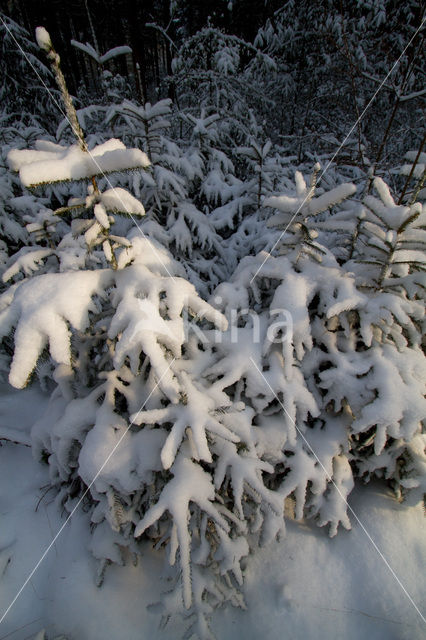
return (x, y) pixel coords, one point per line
(319, 82)
(118, 22)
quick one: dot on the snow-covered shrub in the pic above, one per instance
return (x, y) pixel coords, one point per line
(208, 74)
(289, 303)
(363, 363)
(328, 59)
(134, 424)
(132, 420)
(389, 264)
(189, 423)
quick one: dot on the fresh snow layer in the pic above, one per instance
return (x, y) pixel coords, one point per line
(307, 205)
(39, 166)
(305, 587)
(40, 314)
(111, 53)
(43, 39)
(120, 200)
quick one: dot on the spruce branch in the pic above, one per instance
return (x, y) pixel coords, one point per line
(410, 175)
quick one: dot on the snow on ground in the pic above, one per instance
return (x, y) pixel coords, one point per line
(307, 586)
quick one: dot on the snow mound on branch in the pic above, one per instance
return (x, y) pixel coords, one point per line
(119, 200)
(148, 319)
(40, 310)
(71, 163)
(43, 39)
(309, 206)
(101, 59)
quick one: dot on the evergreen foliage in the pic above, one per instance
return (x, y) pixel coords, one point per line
(221, 328)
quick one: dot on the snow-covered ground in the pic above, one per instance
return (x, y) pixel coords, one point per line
(306, 586)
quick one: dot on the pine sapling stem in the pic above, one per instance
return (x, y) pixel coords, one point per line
(410, 175)
(45, 43)
(71, 113)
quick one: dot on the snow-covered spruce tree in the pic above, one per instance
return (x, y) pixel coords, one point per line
(196, 193)
(389, 265)
(215, 188)
(330, 58)
(329, 353)
(282, 308)
(134, 423)
(196, 188)
(208, 74)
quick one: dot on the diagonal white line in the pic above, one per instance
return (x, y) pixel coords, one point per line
(83, 496)
(88, 151)
(341, 145)
(342, 496)
(12, 633)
